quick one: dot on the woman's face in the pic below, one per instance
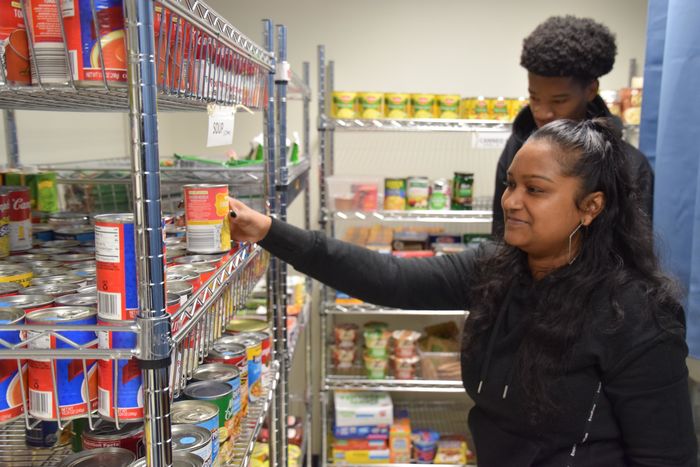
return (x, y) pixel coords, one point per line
(539, 203)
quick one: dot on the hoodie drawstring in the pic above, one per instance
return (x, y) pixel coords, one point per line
(492, 341)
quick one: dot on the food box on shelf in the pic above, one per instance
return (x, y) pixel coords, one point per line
(355, 192)
(375, 456)
(372, 432)
(363, 408)
(440, 365)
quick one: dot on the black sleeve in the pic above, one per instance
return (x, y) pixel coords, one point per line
(652, 405)
(643, 176)
(501, 175)
(437, 283)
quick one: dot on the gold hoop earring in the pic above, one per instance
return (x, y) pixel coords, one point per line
(571, 236)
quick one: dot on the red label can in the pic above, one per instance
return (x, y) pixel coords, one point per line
(106, 435)
(119, 386)
(185, 272)
(4, 224)
(49, 53)
(20, 218)
(115, 253)
(12, 396)
(14, 48)
(92, 44)
(206, 211)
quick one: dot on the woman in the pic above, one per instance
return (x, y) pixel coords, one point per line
(574, 351)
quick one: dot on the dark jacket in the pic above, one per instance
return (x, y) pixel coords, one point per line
(524, 125)
(642, 417)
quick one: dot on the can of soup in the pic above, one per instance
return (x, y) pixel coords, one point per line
(28, 303)
(200, 413)
(20, 218)
(235, 355)
(194, 440)
(48, 53)
(9, 288)
(220, 394)
(206, 212)
(103, 457)
(4, 224)
(222, 373)
(106, 435)
(17, 273)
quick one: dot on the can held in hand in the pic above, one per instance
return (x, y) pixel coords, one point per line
(115, 252)
(119, 385)
(96, 44)
(106, 435)
(193, 439)
(20, 218)
(201, 413)
(12, 394)
(206, 211)
(76, 380)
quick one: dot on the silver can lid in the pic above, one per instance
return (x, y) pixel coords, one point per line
(180, 459)
(61, 279)
(9, 287)
(104, 457)
(193, 412)
(62, 314)
(28, 258)
(11, 315)
(207, 390)
(25, 301)
(53, 289)
(190, 438)
(104, 430)
(78, 299)
(220, 372)
(119, 218)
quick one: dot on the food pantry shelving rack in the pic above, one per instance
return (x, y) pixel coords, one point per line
(428, 414)
(235, 72)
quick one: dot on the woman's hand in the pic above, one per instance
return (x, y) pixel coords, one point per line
(247, 225)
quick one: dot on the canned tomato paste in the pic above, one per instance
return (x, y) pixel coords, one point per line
(206, 209)
(97, 41)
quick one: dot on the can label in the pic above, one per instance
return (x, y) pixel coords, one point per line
(344, 104)
(4, 225)
(14, 47)
(48, 55)
(398, 105)
(126, 383)
(423, 105)
(448, 105)
(395, 194)
(117, 284)
(20, 219)
(76, 389)
(417, 192)
(11, 394)
(24, 279)
(255, 387)
(93, 44)
(133, 443)
(240, 362)
(206, 208)
(462, 191)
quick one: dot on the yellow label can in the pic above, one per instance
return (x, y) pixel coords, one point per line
(344, 104)
(481, 108)
(398, 105)
(467, 108)
(498, 109)
(515, 106)
(371, 104)
(424, 106)
(448, 105)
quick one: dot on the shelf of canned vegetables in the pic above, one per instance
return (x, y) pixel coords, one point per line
(70, 327)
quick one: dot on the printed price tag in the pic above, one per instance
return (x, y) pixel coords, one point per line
(490, 140)
(221, 122)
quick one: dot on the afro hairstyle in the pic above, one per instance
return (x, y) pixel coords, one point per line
(569, 46)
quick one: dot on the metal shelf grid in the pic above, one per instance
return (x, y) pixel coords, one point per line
(200, 59)
(14, 452)
(355, 379)
(368, 309)
(257, 412)
(445, 417)
(462, 217)
(415, 125)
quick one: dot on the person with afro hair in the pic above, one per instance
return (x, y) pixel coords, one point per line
(564, 57)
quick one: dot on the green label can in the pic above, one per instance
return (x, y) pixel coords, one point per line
(462, 191)
(221, 395)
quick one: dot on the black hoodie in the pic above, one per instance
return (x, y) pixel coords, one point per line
(640, 417)
(524, 125)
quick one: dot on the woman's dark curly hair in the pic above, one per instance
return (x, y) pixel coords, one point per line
(569, 46)
(617, 249)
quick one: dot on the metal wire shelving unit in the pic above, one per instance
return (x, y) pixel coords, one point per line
(354, 378)
(182, 56)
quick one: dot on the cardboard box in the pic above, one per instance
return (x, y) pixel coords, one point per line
(363, 408)
(371, 432)
(361, 457)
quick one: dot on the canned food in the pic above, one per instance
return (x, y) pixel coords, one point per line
(220, 394)
(60, 279)
(440, 195)
(87, 264)
(423, 105)
(371, 104)
(253, 345)
(119, 384)
(14, 47)
(175, 241)
(20, 274)
(448, 105)
(87, 273)
(395, 194)
(172, 253)
(67, 219)
(229, 374)
(185, 272)
(172, 304)
(498, 109)
(214, 260)
(417, 192)
(117, 294)
(47, 264)
(81, 233)
(44, 434)
(480, 109)
(76, 380)
(104, 457)
(344, 104)
(193, 439)
(27, 258)
(266, 338)
(239, 325)
(515, 106)
(20, 217)
(12, 394)
(398, 105)
(85, 249)
(200, 413)
(78, 299)
(63, 244)
(177, 231)
(97, 43)
(52, 290)
(106, 435)
(47, 55)
(72, 258)
(4, 220)
(9, 288)
(182, 289)
(205, 271)
(206, 214)
(180, 459)
(28, 303)
(88, 289)
(462, 191)
(233, 354)
(42, 232)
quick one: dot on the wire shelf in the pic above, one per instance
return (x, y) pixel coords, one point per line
(369, 309)
(14, 451)
(462, 217)
(355, 379)
(200, 59)
(420, 125)
(302, 322)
